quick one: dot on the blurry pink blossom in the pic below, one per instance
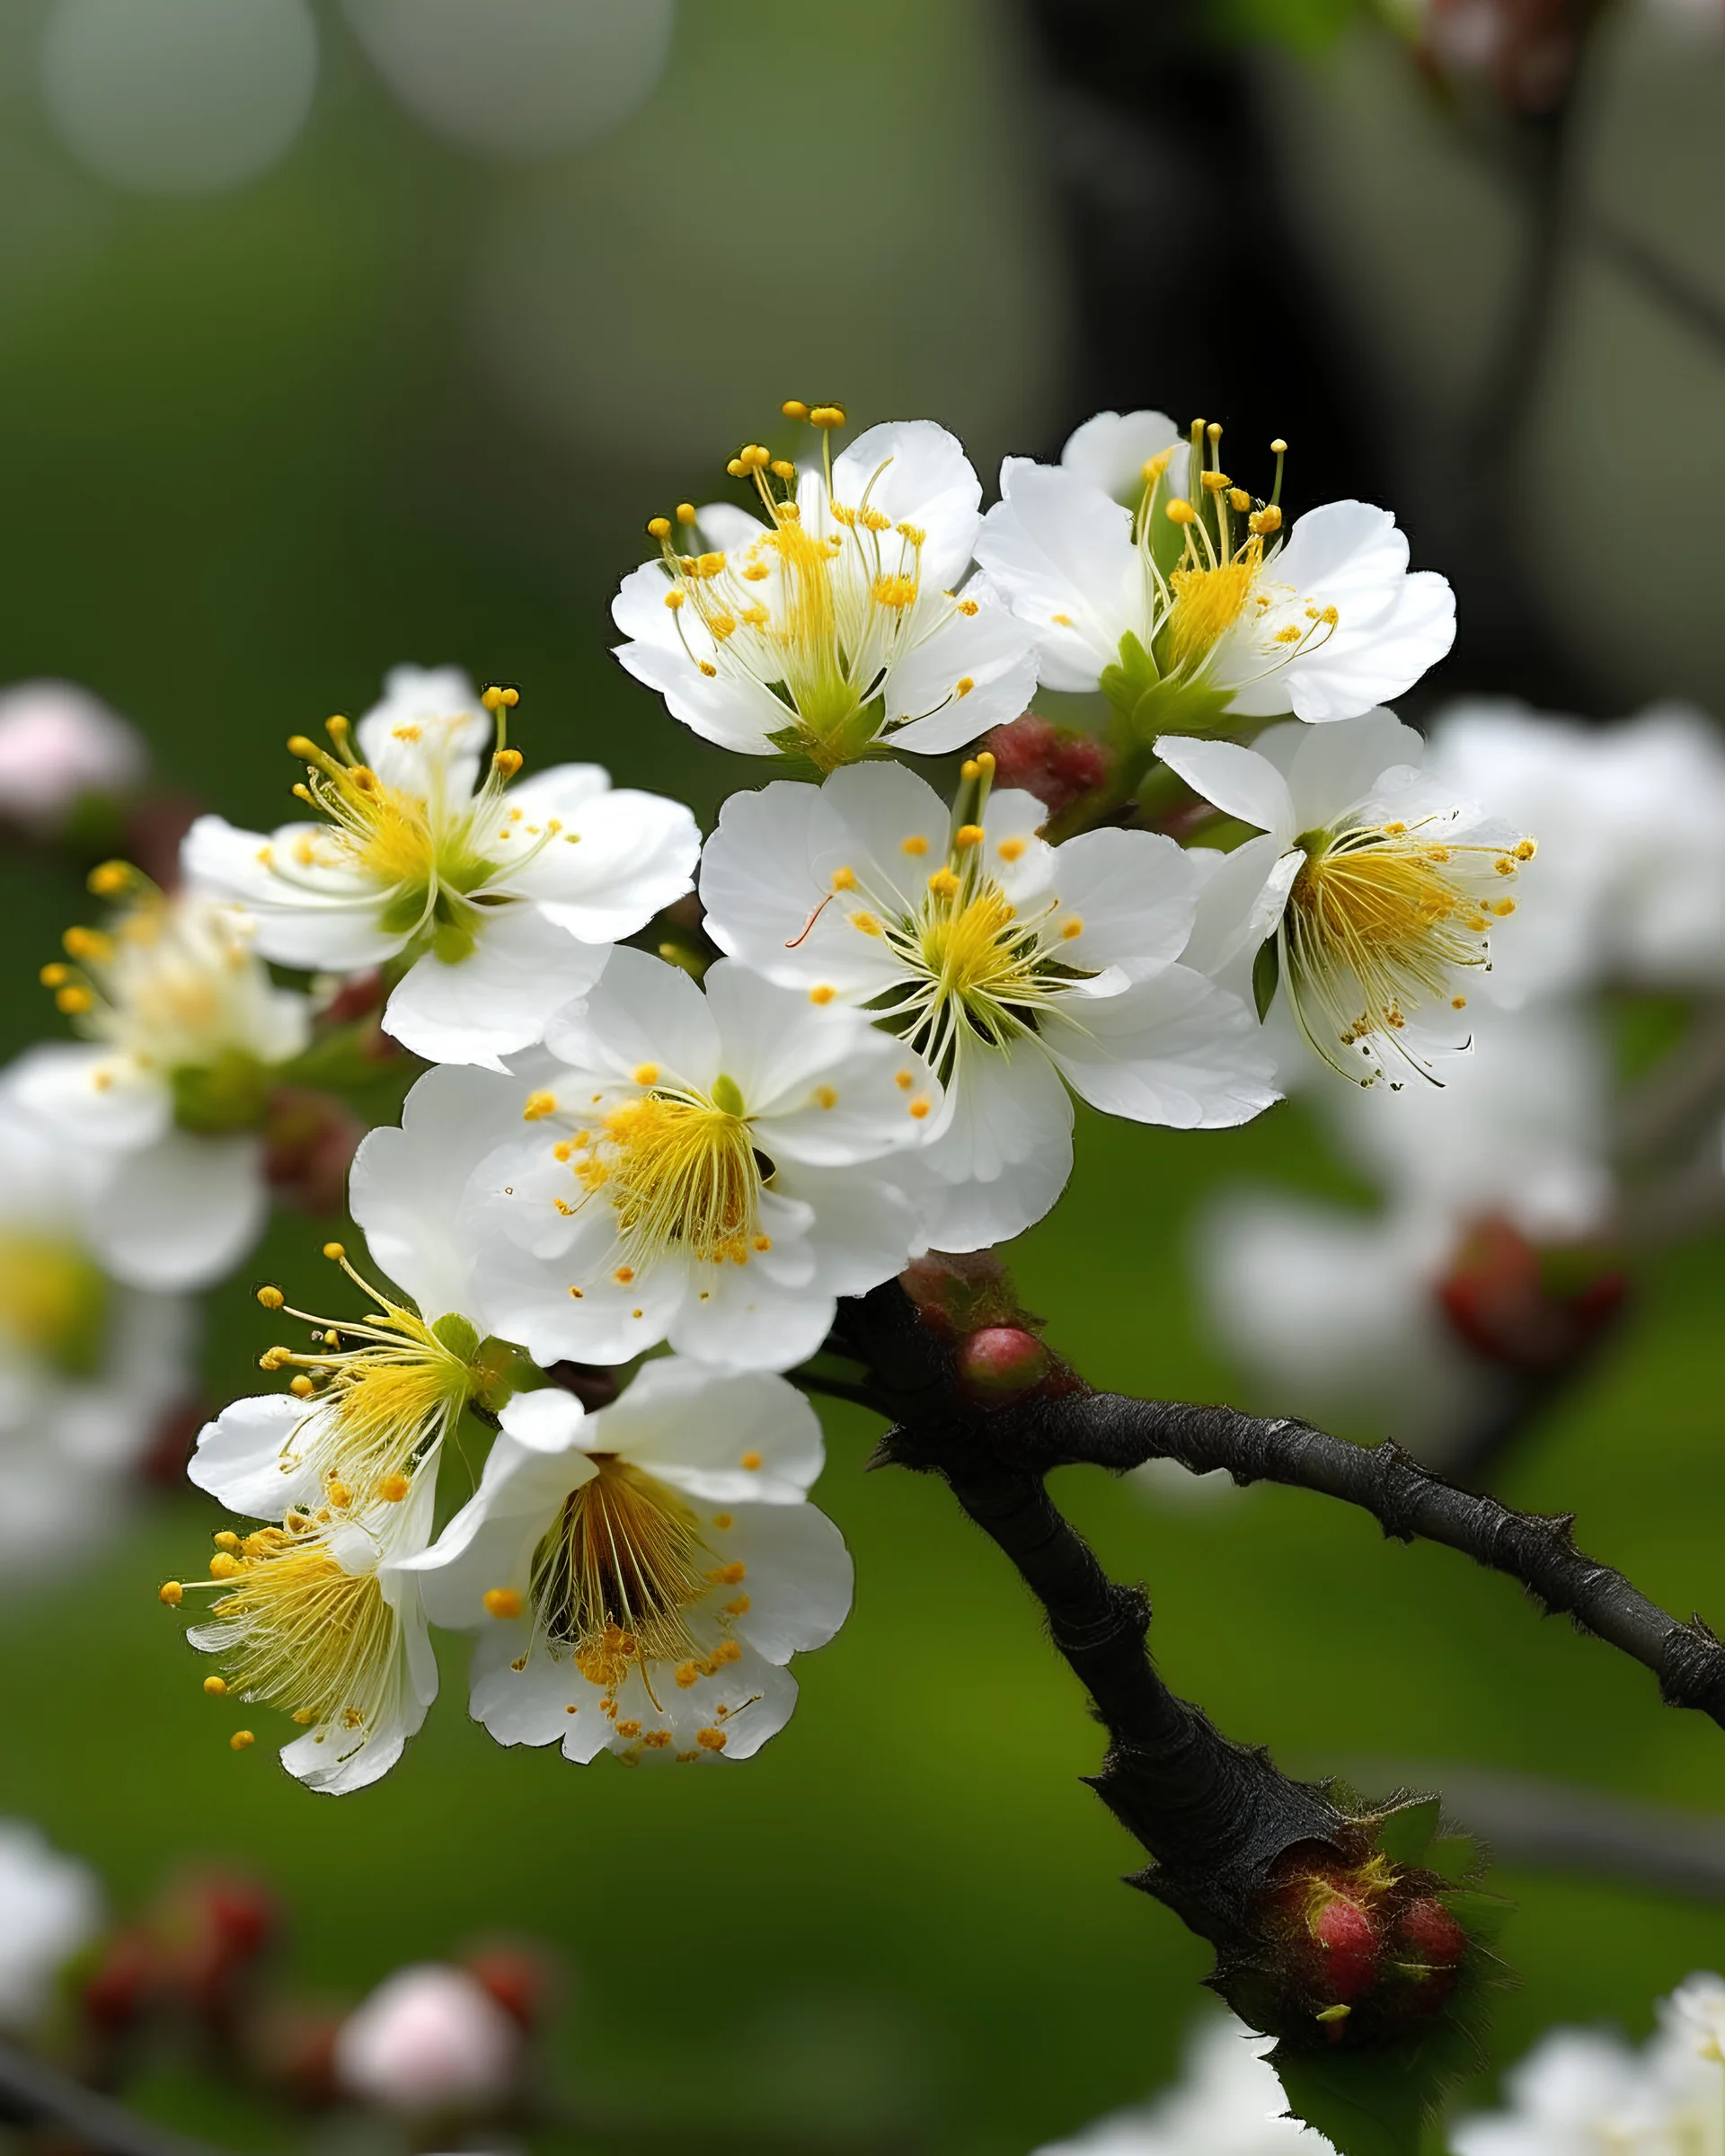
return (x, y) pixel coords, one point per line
(58, 744)
(429, 2039)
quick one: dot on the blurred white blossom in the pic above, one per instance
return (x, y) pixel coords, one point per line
(429, 2039)
(179, 97)
(50, 1907)
(518, 79)
(1228, 2103)
(1585, 2092)
(59, 744)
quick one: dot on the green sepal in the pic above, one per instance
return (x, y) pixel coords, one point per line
(1131, 677)
(501, 1370)
(804, 750)
(1369, 2103)
(1266, 973)
(230, 1094)
(1151, 703)
(1452, 1857)
(459, 1335)
(1407, 1832)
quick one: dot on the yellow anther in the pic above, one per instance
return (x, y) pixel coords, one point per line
(646, 1073)
(1503, 908)
(752, 1463)
(302, 747)
(1214, 431)
(242, 1740)
(752, 458)
(171, 1594)
(827, 415)
(338, 1493)
(223, 1567)
(920, 1107)
(843, 880)
(1071, 928)
(1261, 522)
(1180, 511)
(943, 883)
(226, 1539)
(502, 1602)
(53, 974)
(272, 1298)
(674, 599)
(217, 1687)
(1155, 466)
(732, 1575)
(1279, 448)
(903, 1080)
(966, 835)
(866, 924)
(301, 1387)
(1011, 849)
(963, 685)
(737, 468)
(685, 512)
(762, 1242)
(710, 1740)
(710, 564)
(658, 528)
(794, 408)
(822, 994)
(915, 844)
(73, 1000)
(624, 1275)
(89, 944)
(392, 1488)
(539, 1105)
(740, 1606)
(708, 668)
(985, 762)
(826, 1096)
(335, 1251)
(782, 468)
(686, 1674)
(1526, 850)
(1213, 483)
(109, 878)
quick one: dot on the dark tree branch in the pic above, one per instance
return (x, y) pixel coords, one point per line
(1408, 1501)
(33, 2093)
(1216, 1816)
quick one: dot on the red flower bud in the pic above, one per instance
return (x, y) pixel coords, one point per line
(514, 1976)
(1347, 1944)
(1046, 760)
(1001, 1362)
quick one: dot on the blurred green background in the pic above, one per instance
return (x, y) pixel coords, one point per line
(395, 399)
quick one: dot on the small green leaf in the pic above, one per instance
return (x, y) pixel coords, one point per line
(1367, 2102)
(1265, 971)
(1482, 1915)
(1451, 1856)
(1406, 1834)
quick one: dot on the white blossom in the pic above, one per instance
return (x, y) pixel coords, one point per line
(50, 1907)
(1379, 886)
(89, 1367)
(1229, 2103)
(501, 900)
(320, 1616)
(713, 1170)
(184, 1030)
(1195, 573)
(838, 618)
(640, 1577)
(1015, 968)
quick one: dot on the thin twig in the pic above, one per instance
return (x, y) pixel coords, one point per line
(33, 2093)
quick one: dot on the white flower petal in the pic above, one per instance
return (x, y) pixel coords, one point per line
(643, 1012)
(800, 1577)
(1237, 781)
(1059, 551)
(1111, 450)
(254, 1457)
(182, 1213)
(992, 651)
(694, 1427)
(1174, 1049)
(1132, 895)
(620, 857)
(916, 473)
(1005, 1155)
(498, 998)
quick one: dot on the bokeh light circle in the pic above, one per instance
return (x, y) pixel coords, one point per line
(518, 78)
(179, 97)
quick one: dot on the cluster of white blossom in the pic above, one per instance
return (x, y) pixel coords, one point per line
(1579, 2092)
(621, 1152)
(1503, 1192)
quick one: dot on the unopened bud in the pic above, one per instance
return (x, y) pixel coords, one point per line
(430, 2039)
(59, 744)
(1055, 765)
(1000, 1362)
